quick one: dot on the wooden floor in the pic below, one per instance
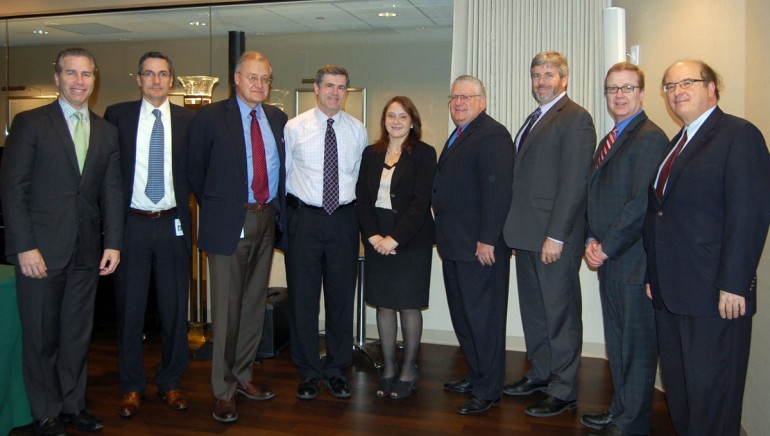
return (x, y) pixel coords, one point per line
(430, 411)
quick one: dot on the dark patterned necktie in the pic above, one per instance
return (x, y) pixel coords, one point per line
(660, 187)
(532, 120)
(259, 185)
(607, 146)
(331, 194)
(155, 183)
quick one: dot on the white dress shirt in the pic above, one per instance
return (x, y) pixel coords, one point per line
(305, 135)
(139, 199)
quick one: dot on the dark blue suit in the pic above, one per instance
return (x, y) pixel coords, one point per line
(705, 235)
(153, 244)
(471, 195)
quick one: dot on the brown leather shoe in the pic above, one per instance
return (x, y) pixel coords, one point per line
(225, 411)
(130, 404)
(254, 391)
(174, 399)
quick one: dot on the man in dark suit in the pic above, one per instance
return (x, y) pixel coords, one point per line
(471, 195)
(546, 227)
(705, 228)
(60, 184)
(152, 134)
(236, 171)
(625, 163)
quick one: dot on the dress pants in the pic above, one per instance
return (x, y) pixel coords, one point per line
(238, 297)
(57, 314)
(632, 351)
(322, 249)
(152, 249)
(703, 364)
(551, 315)
(478, 300)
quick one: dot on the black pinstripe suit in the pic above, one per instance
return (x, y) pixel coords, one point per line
(471, 194)
(617, 201)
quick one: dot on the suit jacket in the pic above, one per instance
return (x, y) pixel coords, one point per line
(216, 170)
(472, 189)
(707, 233)
(48, 204)
(409, 195)
(125, 116)
(617, 197)
(549, 181)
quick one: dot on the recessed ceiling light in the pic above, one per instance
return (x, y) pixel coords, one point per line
(197, 23)
(40, 32)
(386, 14)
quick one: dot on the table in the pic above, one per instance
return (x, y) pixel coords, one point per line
(14, 405)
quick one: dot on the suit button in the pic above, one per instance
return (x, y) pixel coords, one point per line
(395, 212)
(660, 213)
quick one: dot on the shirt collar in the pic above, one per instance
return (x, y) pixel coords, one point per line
(246, 109)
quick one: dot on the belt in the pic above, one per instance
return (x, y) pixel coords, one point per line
(150, 213)
(256, 207)
(294, 202)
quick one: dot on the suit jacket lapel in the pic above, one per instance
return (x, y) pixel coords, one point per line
(56, 116)
(691, 150)
(460, 140)
(235, 126)
(403, 162)
(544, 121)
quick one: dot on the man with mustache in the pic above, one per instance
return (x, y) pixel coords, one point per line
(152, 133)
(323, 154)
(545, 226)
(704, 232)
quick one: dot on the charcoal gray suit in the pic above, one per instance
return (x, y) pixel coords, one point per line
(549, 190)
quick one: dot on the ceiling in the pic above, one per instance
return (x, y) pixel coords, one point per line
(253, 19)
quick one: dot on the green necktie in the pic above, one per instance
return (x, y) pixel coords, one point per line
(81, 141)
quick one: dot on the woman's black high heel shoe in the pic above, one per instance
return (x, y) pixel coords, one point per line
(385, 387)
(405, 388)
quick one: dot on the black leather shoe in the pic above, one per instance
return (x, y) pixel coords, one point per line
(549, 406)
(523, 387)
(476, 405)
(610, 430)
(597, 422)
(49, 427)
(338, 387)
(84, 421)
(460, 386)
(307, 389)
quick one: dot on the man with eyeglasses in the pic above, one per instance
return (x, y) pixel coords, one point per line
(707, 220)
(546, 227)
(63, 210)
(471, 194)
(624, 164)
(152, 135)
(323, 154)
(236, 171)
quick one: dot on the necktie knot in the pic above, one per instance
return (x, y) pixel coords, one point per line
(157, 113)
(535, 115)
(329, 123)
(78, 115)
(459, 131)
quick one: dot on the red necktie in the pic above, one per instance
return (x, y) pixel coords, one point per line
(259, 184)
(660, 187)
(607, 146)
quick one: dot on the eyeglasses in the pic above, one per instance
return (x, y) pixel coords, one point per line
(684, 84)
(626, 89)
(462, 98)
(147, 74)
(253, 78)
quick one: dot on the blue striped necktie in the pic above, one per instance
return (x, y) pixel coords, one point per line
(154, 189)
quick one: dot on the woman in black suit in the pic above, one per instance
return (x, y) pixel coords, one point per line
(393, 193)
